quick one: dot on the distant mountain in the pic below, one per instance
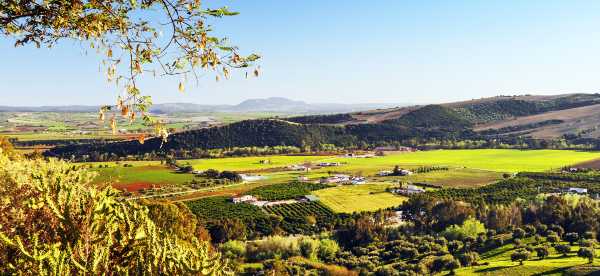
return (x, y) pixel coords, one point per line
(274, 104)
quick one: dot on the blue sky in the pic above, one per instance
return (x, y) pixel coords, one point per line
(354, 52)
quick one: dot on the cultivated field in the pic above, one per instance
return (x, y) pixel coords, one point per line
(466, 168)
(356, 198)
(497, 160)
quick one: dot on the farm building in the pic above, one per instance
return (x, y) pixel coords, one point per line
(299, 168)
(244, 199)
(358, 180)
(409, 190)
(329, 164)
(384, 173)
(338, 178)
(578, 190)
(404, 172)
(311, 198)
(247, 177)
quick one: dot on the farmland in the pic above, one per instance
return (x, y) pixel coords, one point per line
(497, 160)
(366, 197)
(466, 168)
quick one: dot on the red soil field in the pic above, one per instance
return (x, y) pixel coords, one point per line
(133, 187)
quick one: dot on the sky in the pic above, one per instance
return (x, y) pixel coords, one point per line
(353, 51)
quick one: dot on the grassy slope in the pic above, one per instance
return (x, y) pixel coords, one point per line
(500, 263)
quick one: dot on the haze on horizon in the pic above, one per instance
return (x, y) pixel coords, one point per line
(365, 52)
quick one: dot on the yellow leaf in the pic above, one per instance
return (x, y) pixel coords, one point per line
(181, 87)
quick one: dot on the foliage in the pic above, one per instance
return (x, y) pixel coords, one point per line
(54, 223)
(587, 252)
(469, 228)
(328, 249)
(520, 255)
(321, 119)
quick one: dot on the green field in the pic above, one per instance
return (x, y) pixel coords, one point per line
(356, 198)
(498, 160)
(467, 168)
(251, 163)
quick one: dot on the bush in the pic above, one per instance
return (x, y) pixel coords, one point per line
(272, 248)
(328, 249)
(61, 225)
(520, 255)
(552, 238)
(468, 258)
(234, 249)
(542, 252)
(586, 252)
(470, 228)
(308, 248)
(518, 233)
(562, 249)
(571, 237)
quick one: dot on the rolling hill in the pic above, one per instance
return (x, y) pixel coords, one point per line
(509, 119)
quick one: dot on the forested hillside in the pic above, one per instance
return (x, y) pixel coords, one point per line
(431, 124)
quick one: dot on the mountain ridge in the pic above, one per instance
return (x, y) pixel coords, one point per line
(271, 104)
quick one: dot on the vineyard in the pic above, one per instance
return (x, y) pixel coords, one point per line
(285, 190)
(304, 217)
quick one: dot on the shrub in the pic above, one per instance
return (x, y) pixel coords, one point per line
(563, 249)
(553, 238)
(586, 252)
(518, 233)
(308, 248)
(328, 249)
(520, 255)
(234, 249)
(571, 237)
(470, 228)
(61, 225)
(468, 258)
(542, 252)
(271, 248)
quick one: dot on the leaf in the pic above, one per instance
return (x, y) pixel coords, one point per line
(181, 87)
(141, 138)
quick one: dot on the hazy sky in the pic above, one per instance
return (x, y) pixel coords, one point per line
(355, 52)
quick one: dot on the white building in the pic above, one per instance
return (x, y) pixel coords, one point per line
(384, 173)
(578, 190)
(244, 199)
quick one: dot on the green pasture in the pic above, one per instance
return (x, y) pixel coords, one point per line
(356, 198)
